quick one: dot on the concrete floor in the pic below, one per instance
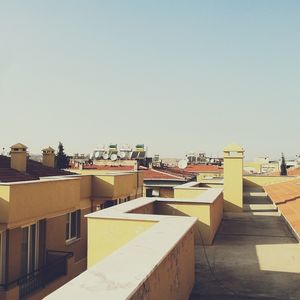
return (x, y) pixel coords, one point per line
(254, 256)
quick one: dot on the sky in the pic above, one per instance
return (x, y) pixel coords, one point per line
(178, 76)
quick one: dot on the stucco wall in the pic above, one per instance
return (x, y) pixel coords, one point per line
(174, 277)
(34, 201)
(56, 236)
(260, 181)
(233, 184)
(108, 235)
(188, 193)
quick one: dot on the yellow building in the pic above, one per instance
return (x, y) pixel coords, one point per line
(43, 231)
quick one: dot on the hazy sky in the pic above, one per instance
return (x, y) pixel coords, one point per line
(175, 75)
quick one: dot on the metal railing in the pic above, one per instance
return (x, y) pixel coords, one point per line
(56, 266)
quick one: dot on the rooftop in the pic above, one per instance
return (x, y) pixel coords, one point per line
(34, 171)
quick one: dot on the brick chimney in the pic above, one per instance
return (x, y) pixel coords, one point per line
(18, 157)
(48, 157)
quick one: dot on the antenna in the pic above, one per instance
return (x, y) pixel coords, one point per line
(114, 157)
(182, 164)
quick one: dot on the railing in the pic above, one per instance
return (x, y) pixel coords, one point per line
(56, 266)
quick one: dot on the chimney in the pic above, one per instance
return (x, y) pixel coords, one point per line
(49, 157)
(18, 157)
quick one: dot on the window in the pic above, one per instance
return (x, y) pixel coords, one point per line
(29, 249)
(2, 257)
(72, 225)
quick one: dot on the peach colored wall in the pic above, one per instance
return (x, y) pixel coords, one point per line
(56, 236)
(174, 277)
(32, 201)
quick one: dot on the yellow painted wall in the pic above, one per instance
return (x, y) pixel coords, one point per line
(34, 201)
(260, 181)
(107, 235)
(209, 216)
(56, 236)
(233, 184)
(188, 193)
(174, 277)
(19, 161)
(85, 187)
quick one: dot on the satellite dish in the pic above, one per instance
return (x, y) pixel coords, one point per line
(105, 156)
(122, 154)
(182, 164)
(114, 157)
(91, 155)
(97, 154)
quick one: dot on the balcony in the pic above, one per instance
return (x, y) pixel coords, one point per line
(55, 267)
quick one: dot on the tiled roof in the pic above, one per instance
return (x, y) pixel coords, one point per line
(203, 168)
(155, 174)
(109, 168)
(11, 175)
(290, 172)
(286, 195)
(34, 171)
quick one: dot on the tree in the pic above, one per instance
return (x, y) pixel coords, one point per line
(62, 160)
(283, 168)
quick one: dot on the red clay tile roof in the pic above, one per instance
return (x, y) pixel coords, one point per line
(34, 171)
(109, 168)
(286, 195)
(290, 172)
(203, 168)
(155, 174)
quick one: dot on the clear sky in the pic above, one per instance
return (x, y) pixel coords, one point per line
(175, 75)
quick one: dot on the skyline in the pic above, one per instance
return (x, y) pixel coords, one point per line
(177, 77)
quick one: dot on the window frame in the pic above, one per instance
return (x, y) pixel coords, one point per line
(68, 235)
(30, 263)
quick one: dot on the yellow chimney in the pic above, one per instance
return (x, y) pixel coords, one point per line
(49, 157)
(233, 178)
(18, 157)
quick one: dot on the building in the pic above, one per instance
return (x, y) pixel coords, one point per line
(43, 231)
(158, 240)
